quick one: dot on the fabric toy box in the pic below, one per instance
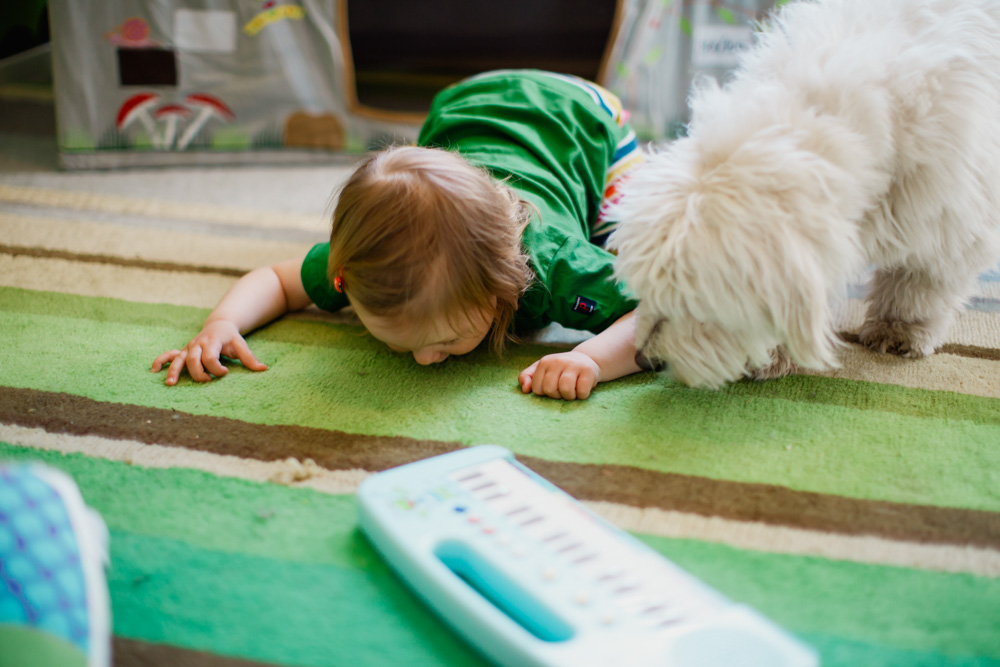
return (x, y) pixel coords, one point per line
(173, 82)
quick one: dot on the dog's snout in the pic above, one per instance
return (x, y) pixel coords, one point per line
(647, 364)
(642, 360)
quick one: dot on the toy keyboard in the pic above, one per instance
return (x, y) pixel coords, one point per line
(531, 577)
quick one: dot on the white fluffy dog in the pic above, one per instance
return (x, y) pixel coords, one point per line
(855, 133)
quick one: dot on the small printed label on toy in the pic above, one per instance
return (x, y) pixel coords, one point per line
(584, 305)
(719, 45)
(212, 31)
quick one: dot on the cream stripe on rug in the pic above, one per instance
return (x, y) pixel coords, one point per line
(117, 282)
(745, 535)
(84, 237)
(973, 328)
(800, 542)
(939, 372)
(290, 472)
(116, 204)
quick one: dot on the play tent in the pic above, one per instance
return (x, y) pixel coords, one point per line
(177, 82)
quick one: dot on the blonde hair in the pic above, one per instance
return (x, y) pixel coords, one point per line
(420, 231)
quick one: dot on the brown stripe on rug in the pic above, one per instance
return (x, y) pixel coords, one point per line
(971, 351)
(136, 653)
(89, 258)
(336, 450)
(959, 350)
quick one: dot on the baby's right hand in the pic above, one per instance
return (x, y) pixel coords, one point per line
(201, 355)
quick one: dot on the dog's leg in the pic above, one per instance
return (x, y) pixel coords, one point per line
(780, 366)
(911, 310)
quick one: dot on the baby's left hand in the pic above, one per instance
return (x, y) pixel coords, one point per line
(568, 375)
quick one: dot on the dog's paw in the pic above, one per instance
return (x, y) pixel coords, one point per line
(905, 339)
(780, 366)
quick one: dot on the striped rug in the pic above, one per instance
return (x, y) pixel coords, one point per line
(859, 509)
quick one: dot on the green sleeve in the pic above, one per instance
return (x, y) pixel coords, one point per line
(576, 285)
(316, 281)
(589, 298)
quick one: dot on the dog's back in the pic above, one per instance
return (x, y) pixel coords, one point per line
(919, 80)
(855, 132)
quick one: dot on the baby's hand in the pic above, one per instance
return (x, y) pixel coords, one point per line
(202, 354)
(568, 375)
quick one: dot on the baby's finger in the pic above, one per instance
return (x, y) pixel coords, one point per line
(567, 385)
(176, 366)
(210, 359)
(538, 381)
(247, 357)
(195, 369)
(525, 377)
(213, 365)
(584, 385)
(164, 358)
(550, 385)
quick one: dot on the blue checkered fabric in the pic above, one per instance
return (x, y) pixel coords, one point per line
(41, 580)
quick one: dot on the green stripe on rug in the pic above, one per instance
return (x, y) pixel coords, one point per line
(839, 653)
(867, 441)
(218, 513)
(255, 608)
(99, 309)
(271, 610)
(198, 518)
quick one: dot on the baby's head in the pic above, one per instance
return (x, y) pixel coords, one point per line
(428, 248)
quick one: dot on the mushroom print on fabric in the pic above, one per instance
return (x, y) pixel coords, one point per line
(208, 107)
(170, 114)
(136, 109)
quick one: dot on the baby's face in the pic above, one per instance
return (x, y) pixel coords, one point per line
(433, 342)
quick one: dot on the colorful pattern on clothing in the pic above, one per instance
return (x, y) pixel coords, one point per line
(602, 96)
(627, 157)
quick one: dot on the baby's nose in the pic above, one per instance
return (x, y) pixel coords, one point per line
(428, 357)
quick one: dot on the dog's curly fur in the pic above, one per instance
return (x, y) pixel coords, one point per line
(855, 133)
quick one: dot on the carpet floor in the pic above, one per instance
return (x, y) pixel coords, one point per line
(859, 508)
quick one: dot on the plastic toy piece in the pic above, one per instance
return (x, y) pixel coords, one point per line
(529, 576)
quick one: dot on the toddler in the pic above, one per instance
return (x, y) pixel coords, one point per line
(493, 224)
